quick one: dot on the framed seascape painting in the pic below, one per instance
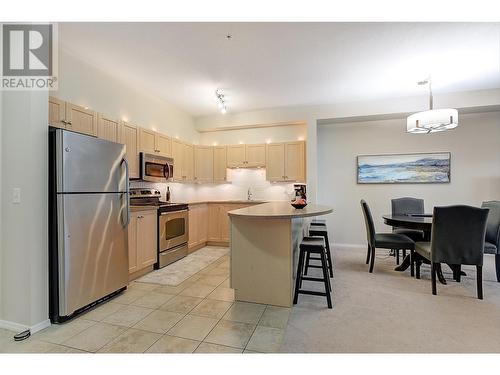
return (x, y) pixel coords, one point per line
(404, 168)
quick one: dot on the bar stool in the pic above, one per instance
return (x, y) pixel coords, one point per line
(312, 245)
(320, 229)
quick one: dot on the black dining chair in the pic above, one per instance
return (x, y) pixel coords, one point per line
(492, 239)
(457, 238)
(382, 240)
(406, 206)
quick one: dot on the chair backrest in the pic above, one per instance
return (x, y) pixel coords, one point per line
(493, 222)
(407, 205)
(370, 227)
(458, 234)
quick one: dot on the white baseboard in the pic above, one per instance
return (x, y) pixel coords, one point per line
(16, 327)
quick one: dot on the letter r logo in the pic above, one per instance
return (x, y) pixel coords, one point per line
(27, 50)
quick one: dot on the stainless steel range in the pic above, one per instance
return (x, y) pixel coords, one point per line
(173, 225)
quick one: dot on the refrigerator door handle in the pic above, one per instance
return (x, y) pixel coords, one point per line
(127, 190)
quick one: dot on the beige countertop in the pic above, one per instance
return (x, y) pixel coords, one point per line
(280, 210)
(235, 201)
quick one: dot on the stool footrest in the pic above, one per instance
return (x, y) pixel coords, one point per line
(312, 292)
(313, 266)
(307, 278)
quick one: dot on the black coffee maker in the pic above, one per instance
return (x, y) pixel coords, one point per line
(300, 191)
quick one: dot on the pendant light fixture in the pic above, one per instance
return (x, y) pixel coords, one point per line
(433, 120)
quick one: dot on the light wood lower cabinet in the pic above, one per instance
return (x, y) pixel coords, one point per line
(198, 226)
(218, 221)
(142, 237)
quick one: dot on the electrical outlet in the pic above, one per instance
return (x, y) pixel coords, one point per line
(16, 195)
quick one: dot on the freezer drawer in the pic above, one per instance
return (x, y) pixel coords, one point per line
(92, 248)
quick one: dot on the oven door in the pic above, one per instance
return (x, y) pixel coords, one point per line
(173, 229)
(155, 168)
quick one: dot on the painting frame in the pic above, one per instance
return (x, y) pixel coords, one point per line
(360, 181)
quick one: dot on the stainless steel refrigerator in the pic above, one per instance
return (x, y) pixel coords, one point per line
(88, 217)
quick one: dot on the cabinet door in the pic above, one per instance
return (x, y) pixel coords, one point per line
(81, 120)
(163, 144)
(203, 164)
(220, 163)
(57, 113)
(146, 238)
(178, 156)
(193, 226)
(147, 141)
(294, 161)
(275, 165)
(235, 156)
(188, 162)
(128, 137)
(255, 155)
(214, 222)
(224, 221)
(202, 223)
(108, 128)
(132, 244)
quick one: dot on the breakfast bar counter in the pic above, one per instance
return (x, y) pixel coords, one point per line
(264, 243)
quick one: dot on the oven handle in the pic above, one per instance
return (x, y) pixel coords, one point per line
(172, 212)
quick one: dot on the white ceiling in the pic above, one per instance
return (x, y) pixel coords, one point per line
(268, 65)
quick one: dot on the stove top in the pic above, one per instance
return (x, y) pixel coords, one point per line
(151, 197)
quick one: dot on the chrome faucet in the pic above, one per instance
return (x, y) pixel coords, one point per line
(249, 195)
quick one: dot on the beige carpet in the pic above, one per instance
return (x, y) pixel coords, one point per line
(389, 311)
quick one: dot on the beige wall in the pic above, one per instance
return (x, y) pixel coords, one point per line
(24, 263)
(475, 168)
(86, 85)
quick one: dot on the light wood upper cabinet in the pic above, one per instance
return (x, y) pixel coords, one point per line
(286, 162)
(142, 240)
(246, 156)
(220, 164)
(275, 167)
(203, 163)
(178, 156)
(69, 116)
(154, 143)
(128, 137)
(188, 162)
(81, 120)
(163, 144)
(235, 156)
(147, 141)
(108, 128)
(295, 161)
(57, 113)
(255, 155)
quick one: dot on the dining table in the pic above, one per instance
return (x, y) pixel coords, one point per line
(421, 222)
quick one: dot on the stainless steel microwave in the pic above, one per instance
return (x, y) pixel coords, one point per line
(156, 168)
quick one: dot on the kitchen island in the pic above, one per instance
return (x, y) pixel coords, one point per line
(264, 243)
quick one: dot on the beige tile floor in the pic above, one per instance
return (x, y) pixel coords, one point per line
(199, 315)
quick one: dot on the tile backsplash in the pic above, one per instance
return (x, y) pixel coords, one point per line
(239, 181)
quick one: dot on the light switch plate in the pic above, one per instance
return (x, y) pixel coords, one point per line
(16, 195)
